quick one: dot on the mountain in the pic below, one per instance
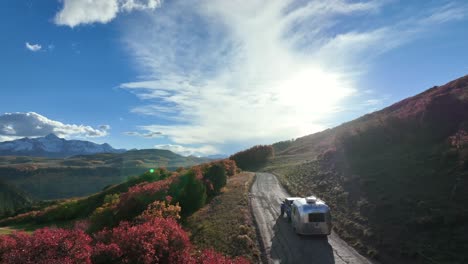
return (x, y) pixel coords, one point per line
(12, 199)
(396, 179)
(53, 178)
(53, 146)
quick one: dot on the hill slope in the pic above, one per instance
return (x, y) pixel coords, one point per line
(53, 146)
(12, 199)
(53, 178)
(397, 179)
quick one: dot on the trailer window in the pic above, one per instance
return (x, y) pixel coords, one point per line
(316, 217)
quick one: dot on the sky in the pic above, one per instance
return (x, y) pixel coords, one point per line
(207, 77)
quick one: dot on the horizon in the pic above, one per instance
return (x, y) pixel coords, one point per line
(213, 78)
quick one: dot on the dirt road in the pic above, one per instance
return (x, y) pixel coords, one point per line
(282, 245)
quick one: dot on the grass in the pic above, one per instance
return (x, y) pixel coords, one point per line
(30, 227)
(226, 224)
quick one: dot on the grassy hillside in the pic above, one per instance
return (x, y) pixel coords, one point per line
(51, 178)
(226, 223)
(396, 179)
(12, 199)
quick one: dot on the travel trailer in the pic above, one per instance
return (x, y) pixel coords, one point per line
(311, 216)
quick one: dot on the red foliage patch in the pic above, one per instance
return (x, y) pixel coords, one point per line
(47, 246)
(157, 241)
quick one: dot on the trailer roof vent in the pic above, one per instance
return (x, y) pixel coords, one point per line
(311, 199)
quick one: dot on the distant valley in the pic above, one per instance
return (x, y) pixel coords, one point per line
(72, 176)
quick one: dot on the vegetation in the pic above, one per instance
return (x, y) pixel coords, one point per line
(136, 222)
(156, 237)
(253, 157)
(51, 178)
(12, 199)
(396, 179)
(226, 224)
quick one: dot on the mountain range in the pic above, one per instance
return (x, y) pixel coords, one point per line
(53, 146)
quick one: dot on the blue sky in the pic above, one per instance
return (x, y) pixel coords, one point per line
(213, 77)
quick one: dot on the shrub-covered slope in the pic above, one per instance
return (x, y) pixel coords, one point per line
(135, 222)
(396, 179)
(53, 178)
(12, 199)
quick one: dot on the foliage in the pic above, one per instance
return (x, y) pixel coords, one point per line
(161, 209)
(216, 175)
(282, 145)
(396, 179)
(229, 166)
(51, 178)
(155, 237)
(46, 246)
(156, 241)
(129, 204)
(12, 199)
(253, 157)
(82, 207)
(189, 192)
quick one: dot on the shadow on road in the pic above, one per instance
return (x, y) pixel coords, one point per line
(288, 247)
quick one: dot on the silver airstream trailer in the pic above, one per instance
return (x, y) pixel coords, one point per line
(311, 216)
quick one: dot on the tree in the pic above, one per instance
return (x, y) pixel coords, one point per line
(253, 157)
(190, 192)
(217, 177)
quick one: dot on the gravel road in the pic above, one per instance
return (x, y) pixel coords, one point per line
(281, 244)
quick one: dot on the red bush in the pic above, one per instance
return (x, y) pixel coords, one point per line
(156, 241)
(47, 246)
(230, 166)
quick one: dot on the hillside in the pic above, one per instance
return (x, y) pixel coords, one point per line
(54, 178)
(12, 199)
(137, 221)
(396, 179)
(53, 146)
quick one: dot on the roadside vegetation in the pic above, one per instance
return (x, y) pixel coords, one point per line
(226, 224)
(396, 179)
(253, 158)
(138, 221)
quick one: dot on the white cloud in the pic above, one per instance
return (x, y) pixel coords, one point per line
(230, 72)
(76, 12)
(144, 135)
(33, 47)
(17, 125)
(201, 151)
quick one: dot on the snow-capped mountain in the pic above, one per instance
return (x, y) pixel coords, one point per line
(53, 146)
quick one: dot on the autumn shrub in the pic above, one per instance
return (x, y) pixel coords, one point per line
(189, 191)
(128, 205)
(104, 216)
(46, 246)
(216, 175)
(135, 201)
(160, 209)
(157, 241)
(229, 166)
(253, 157)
